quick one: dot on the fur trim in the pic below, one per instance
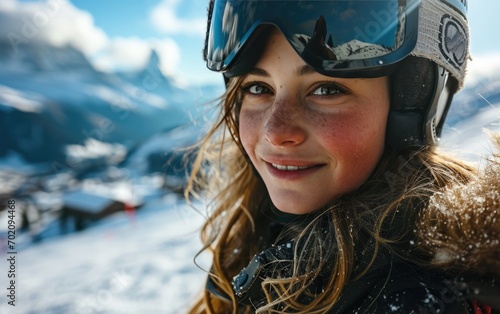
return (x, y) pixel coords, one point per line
(461, 225)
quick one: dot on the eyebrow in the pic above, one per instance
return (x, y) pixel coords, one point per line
(305, 70)
(301, 71)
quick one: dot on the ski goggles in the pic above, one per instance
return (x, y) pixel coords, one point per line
(345, 38)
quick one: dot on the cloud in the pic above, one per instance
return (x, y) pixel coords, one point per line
(482, 66)
(57, 22)
(128, 54)
(7, 5)
(122, 54)
(164, 17)
(60, 23)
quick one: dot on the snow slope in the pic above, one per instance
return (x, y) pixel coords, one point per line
(128, 264)
(475, 110)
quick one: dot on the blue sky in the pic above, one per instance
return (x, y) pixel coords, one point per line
(131, 18)
(120, 34)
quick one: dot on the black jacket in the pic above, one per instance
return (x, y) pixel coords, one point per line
(401, 288)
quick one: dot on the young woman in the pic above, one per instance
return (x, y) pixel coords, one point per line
(327, 193)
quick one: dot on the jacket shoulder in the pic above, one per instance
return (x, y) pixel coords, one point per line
(420, 298)
(402, 288)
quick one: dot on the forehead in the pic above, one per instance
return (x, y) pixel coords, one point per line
(277, 49)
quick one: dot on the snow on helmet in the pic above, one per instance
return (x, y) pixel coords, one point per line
(423, 45)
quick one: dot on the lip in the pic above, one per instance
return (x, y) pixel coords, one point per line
(291, 174)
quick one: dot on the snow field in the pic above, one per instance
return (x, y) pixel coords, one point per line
(141, 264)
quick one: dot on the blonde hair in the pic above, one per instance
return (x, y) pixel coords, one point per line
(401, 184)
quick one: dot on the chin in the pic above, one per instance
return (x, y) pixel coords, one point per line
(294, 208)
(301, 205)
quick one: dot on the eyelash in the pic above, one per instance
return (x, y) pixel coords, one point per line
(245, 89)
(339, 90)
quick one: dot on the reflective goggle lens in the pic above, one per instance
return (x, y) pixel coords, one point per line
(342, 37)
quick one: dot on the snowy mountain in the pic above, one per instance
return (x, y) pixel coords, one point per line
(51, 97)
(474, 110)
(352, 50)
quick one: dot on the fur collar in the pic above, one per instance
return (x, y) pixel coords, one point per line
(461, 229)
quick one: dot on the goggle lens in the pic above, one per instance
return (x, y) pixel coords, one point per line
(335, 37)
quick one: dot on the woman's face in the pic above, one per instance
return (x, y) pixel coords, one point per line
(311, 137)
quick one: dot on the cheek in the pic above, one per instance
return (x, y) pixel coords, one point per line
(248, 130)
(356, 142)
(343, 135)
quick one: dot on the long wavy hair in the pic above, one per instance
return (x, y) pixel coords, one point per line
(346, 238)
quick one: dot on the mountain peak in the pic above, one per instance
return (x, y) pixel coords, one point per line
(154, 60)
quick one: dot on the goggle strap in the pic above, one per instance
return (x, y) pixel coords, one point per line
(443, 37)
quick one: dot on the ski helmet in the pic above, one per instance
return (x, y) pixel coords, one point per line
(423, 45)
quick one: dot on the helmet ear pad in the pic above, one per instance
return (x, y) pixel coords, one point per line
(413, 89)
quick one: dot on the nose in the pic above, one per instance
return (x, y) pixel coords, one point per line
(283, 126)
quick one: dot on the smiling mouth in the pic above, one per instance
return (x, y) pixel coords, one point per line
(290, 168)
